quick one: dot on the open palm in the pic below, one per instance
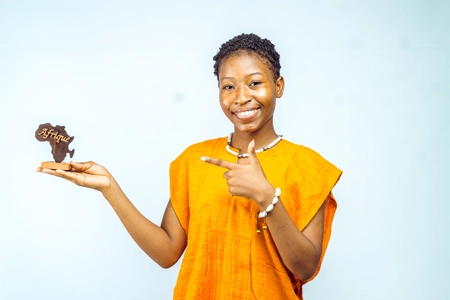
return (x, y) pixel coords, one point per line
(88, 174)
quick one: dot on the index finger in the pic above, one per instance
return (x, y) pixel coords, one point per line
(218, 162)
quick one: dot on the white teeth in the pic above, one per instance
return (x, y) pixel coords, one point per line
(246, 113)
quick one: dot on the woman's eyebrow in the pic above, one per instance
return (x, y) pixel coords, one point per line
(256, 73)
(228, 77)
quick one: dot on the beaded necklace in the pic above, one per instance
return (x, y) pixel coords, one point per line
(271, 145)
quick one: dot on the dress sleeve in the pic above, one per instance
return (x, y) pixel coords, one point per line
(186, 174)
(179, 196)
(309, 182)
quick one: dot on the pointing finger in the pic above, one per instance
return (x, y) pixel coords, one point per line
(218, 162)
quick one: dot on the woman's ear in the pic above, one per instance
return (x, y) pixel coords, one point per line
(279, 84)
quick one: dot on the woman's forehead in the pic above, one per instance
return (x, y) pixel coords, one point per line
(244, 63)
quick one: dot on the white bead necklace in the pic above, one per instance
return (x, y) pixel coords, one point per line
(271, 145)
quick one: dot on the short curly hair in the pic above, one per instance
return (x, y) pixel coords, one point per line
(249, 44)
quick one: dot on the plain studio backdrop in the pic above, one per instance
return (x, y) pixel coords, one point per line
(367, 86)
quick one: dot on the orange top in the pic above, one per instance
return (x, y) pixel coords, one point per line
(225, 257)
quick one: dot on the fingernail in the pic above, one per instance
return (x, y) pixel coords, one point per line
(203, 158)
(252, 143)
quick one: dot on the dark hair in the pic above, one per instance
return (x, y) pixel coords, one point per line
(249, 44)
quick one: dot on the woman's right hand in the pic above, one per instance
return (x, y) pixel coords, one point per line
(88, 174)
(166, 243)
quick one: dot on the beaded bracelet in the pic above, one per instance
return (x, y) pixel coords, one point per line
(263, 214)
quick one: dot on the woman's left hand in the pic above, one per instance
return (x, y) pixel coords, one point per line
(245, 180)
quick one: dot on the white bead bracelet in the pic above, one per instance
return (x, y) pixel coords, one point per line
(263, 214)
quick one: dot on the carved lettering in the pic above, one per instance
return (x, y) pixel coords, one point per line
(44, 132)
(54, 135)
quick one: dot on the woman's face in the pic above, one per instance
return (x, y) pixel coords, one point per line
(248, 93)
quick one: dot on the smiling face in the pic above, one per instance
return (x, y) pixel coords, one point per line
(248, 93)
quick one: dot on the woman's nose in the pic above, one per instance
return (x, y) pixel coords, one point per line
(242, 96)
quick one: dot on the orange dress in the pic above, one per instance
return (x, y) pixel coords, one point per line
(225, 257)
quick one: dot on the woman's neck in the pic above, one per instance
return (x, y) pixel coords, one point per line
(240, 140)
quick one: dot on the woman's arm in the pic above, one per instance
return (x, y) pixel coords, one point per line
(164, 244)
(300, 251)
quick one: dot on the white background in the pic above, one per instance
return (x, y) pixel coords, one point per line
(367, 86)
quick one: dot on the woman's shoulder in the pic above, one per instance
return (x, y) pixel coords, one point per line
(203, 148)
(301, 155)
(206, 144)
(300, 151)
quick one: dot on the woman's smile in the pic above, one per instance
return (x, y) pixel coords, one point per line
(246, 114)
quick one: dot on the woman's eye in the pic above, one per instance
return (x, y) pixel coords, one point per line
(254, 83)
(227, 87)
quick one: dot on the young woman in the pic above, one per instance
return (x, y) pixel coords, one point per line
(252, 211)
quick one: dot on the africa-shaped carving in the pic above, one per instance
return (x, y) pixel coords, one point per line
(58, 139)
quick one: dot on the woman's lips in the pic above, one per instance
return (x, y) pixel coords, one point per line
(246, 114)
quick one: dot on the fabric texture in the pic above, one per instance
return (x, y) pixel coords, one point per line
(225, 257)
